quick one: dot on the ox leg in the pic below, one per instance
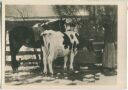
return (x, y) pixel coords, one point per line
(45, 65)
(14, 63)
(37, 57)
(44, 61)
(71, 60)
(41, 61)
(50, 65)
(65, 62)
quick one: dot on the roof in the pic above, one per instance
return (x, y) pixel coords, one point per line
(32, 11)
(29, 10)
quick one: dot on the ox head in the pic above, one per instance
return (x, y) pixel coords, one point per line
(71, 27)
(56, 25)
(36, 25)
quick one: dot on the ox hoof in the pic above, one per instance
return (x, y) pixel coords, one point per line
(71, 69)
(44, 74)
(65, 69)
(15, 71)
(51, 75)
(45, 71)
(41, 73)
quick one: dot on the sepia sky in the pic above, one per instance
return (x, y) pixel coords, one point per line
(31, 10)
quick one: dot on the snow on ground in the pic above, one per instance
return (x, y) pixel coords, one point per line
(30, 75)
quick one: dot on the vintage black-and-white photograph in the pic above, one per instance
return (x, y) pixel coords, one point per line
(0, 41)
(61, 44)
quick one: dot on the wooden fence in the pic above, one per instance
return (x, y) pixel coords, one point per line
(25, 53)
(28, 54)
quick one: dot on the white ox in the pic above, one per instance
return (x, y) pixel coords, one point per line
(58, 44)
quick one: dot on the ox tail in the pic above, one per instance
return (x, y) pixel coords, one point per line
(46, 45)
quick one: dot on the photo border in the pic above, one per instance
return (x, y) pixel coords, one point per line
(122, 35)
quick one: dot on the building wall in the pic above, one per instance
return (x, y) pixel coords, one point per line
(29, 10)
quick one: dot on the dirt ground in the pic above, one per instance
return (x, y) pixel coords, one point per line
(29, 75)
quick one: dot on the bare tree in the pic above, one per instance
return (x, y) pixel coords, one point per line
(24, 13)
(105, 17)
(110, 52)
(69, 11)
(101, 22)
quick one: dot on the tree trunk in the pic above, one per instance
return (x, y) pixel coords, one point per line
(109, 56)
(110, 25)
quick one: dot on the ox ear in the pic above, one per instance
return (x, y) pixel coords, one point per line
(77, 34)
(64, 19)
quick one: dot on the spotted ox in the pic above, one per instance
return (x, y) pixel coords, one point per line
(30, 37)
(58, 44)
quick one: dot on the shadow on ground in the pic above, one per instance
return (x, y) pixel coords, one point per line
(29, 74)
